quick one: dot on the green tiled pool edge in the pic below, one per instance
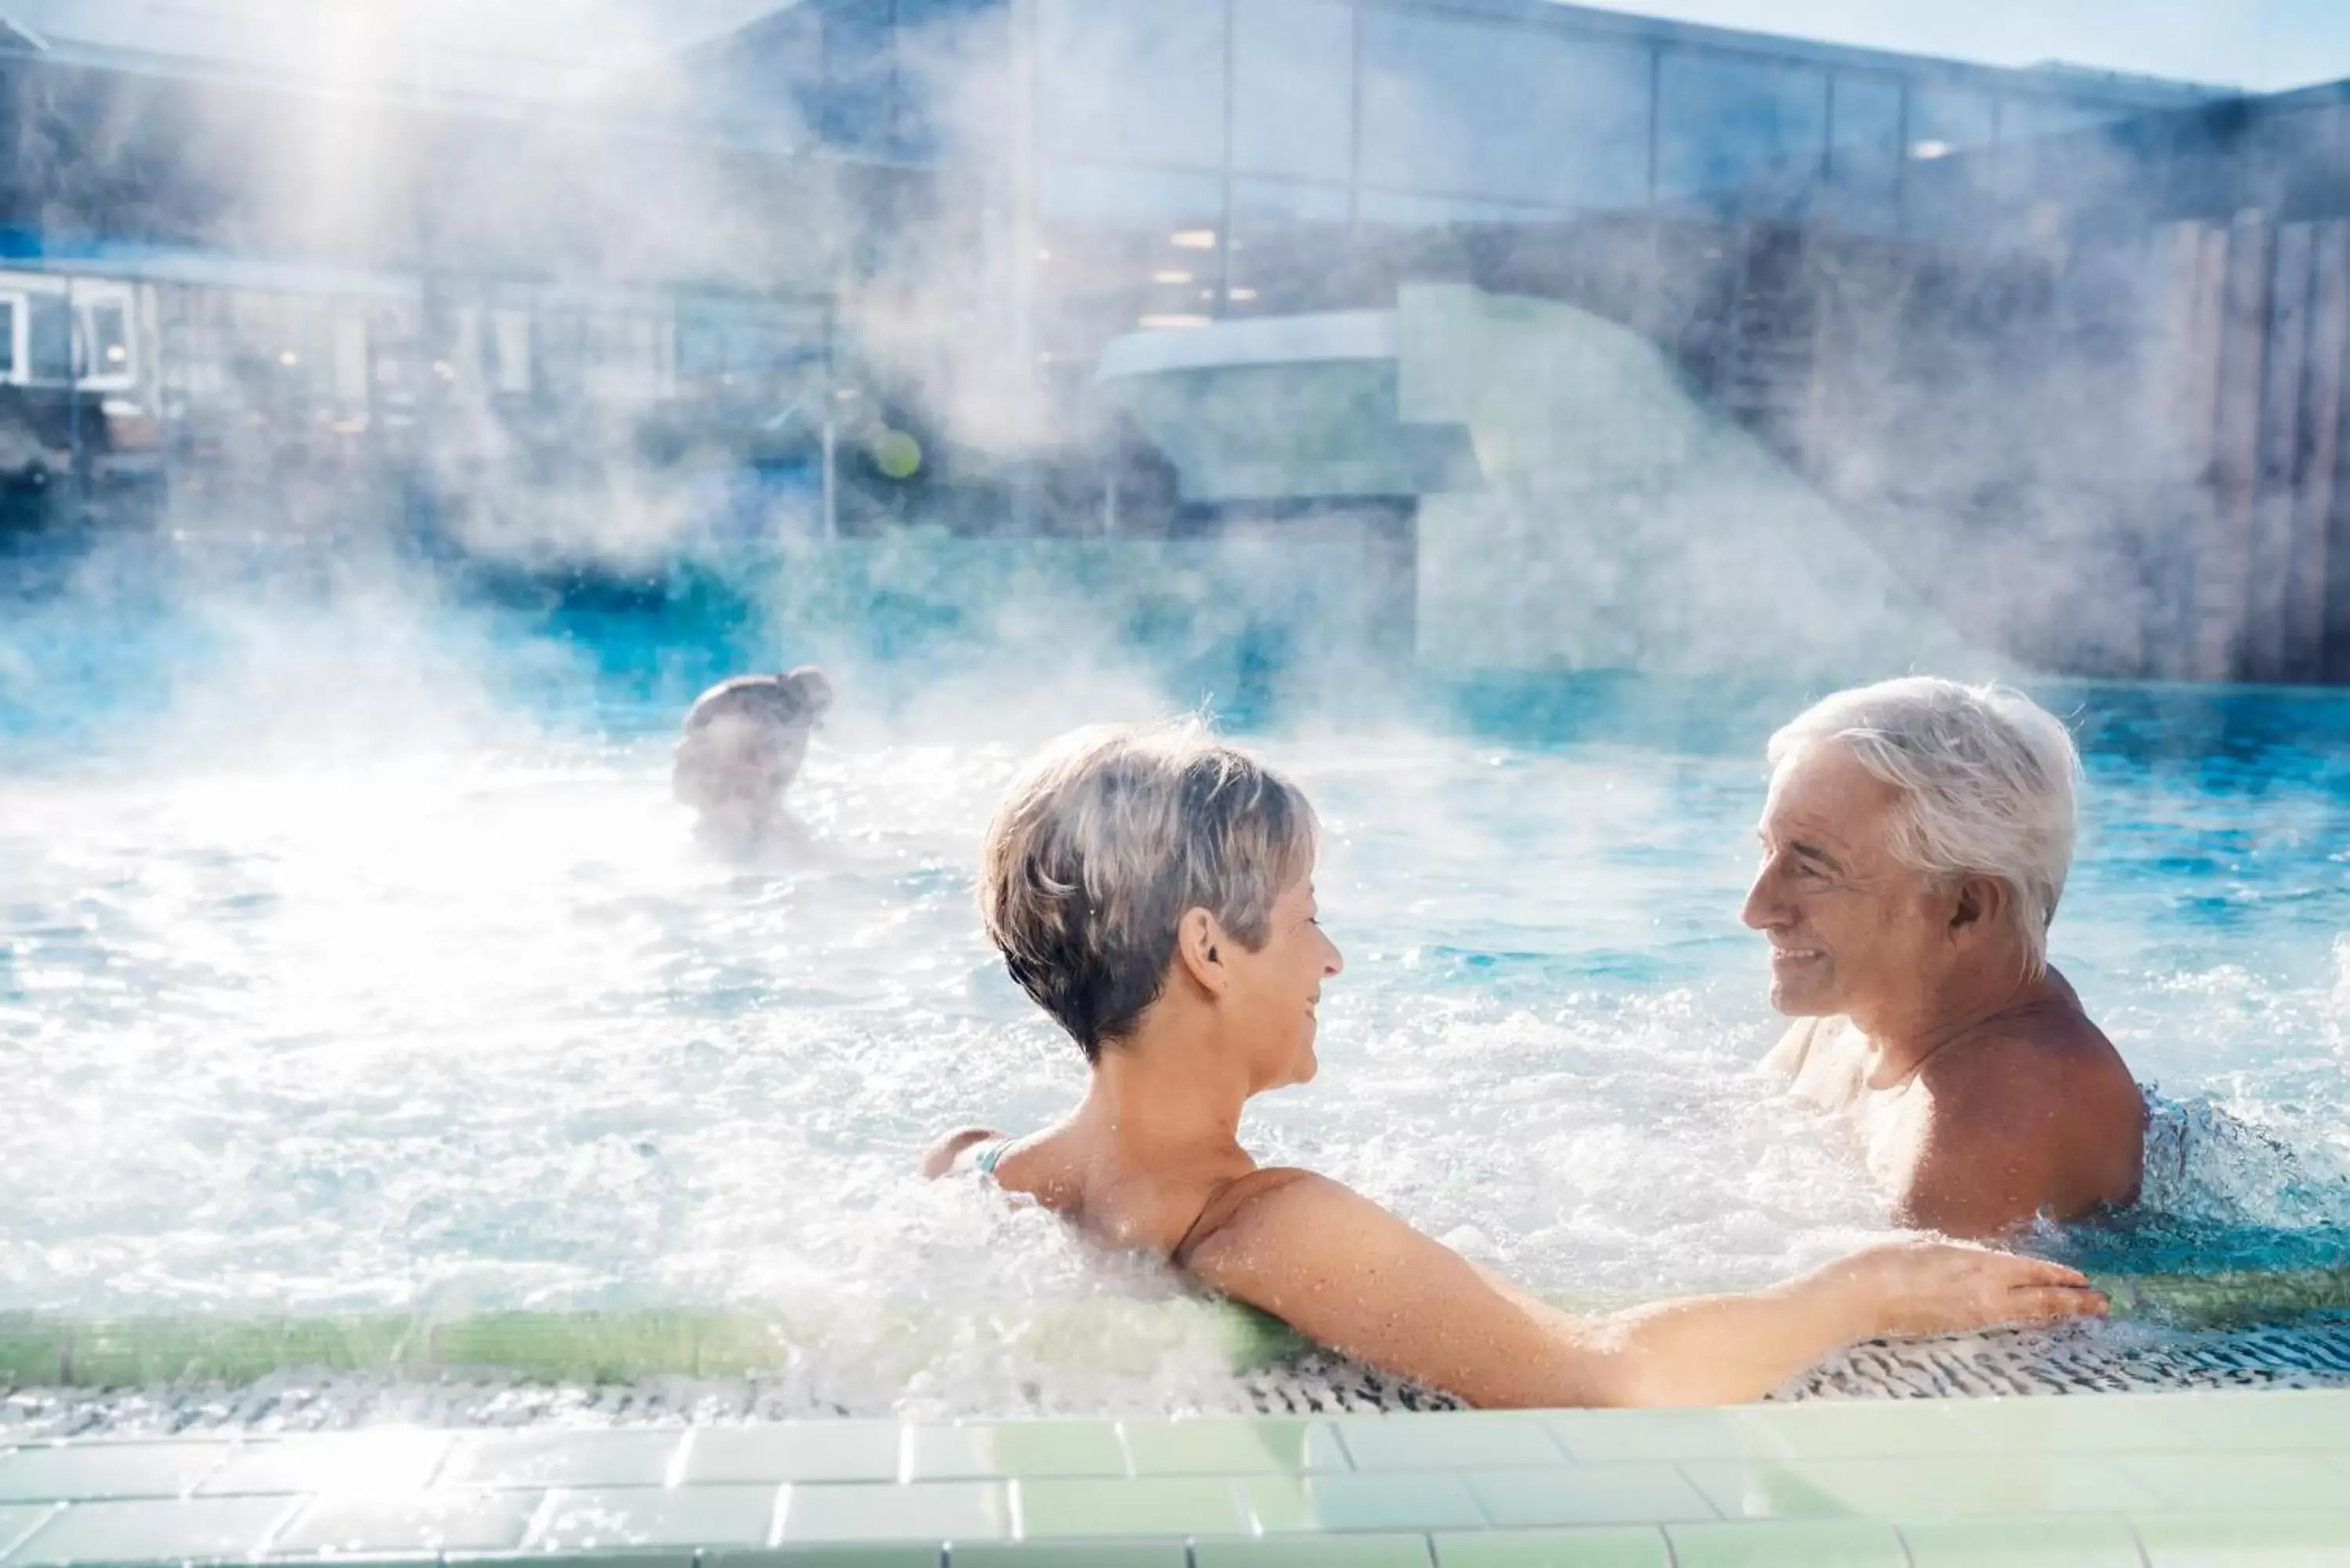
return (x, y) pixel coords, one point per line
(2160, 1480)
(38, 1349)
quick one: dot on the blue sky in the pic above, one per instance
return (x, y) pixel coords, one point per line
(2266, 44)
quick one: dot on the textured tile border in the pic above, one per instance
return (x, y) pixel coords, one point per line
(2170, 1481)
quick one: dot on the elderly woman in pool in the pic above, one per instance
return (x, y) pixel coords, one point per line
(1150, 887)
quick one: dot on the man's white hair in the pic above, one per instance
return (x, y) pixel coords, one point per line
(1988, 779)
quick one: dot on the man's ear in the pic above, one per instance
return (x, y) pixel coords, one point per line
(1979, 908)
(1199, 944)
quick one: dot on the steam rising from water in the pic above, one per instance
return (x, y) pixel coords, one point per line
(452, 1020)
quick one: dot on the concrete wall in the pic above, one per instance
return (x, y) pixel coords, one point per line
(1626, 525)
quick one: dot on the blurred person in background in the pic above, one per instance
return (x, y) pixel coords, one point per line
(742, 743)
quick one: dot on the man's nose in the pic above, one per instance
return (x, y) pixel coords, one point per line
(1764, 910)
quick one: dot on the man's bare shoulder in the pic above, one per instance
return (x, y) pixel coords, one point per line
(2041, 1089)
(2048, 1050)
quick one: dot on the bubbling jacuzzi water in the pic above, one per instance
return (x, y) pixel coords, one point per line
(448, 1017)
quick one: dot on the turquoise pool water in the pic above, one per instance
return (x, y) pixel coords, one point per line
(353, 958)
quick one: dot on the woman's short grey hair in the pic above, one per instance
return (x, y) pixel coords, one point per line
(1988, 779)
(1104, 844)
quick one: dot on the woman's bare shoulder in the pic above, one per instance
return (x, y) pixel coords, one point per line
(1269, 1199)
(941, 1157)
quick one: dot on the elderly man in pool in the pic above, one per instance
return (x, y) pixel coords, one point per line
(1915, 842)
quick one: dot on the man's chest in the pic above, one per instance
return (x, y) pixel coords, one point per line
(1892, 1123)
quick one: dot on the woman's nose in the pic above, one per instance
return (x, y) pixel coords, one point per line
(1334, 962)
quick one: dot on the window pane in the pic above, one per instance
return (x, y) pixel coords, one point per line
(49, 334)
(1740, 136)
(1947, 120)
(505, 350)
(2050, 149)
(1506, 111)
(1293, 88)
(109, 341)
(765, 85)
(7, 336)
(1287, 240)
(944, 48)
(1865, 154)
(856, 106)
(1124, 248)
(1102, 192)
(746, 354)
(2021, 118)
(1399, 211)
(1137, 79)
(1949, 177)
(1288, 199)
(350, 358)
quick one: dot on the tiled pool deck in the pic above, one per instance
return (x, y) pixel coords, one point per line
(2154, 1480)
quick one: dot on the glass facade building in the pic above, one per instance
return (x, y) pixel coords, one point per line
(1950, 297)
(277, 305)
(853, 222)
(993, 191)
(1160, 164)
(1488, 110)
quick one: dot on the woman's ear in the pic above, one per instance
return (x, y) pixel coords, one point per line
(1199, 944)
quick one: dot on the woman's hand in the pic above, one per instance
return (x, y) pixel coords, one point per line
(1922, 1287)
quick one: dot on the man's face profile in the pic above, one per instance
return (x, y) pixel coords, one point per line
(1848, 924)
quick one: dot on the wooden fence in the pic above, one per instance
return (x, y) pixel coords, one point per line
(2130, 459)
(2260, 316)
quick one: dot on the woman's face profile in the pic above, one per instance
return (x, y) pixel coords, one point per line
(1278, 988)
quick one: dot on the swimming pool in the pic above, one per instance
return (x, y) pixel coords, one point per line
(352, 961)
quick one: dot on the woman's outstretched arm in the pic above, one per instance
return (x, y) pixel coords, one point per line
(1347, 1273)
